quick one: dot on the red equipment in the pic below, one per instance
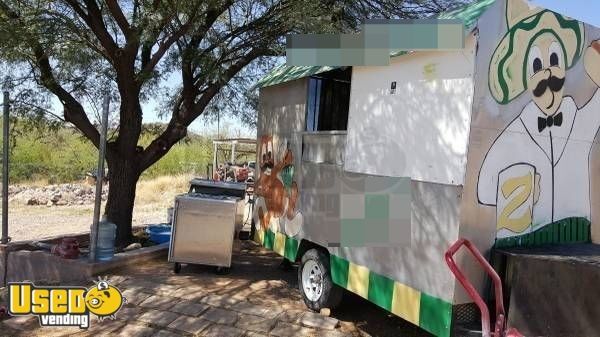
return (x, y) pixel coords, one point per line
(500, 328)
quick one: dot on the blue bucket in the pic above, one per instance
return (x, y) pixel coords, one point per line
(159, 233)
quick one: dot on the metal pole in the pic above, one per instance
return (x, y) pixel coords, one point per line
(99, 178)
(214, 158)
(5, 237)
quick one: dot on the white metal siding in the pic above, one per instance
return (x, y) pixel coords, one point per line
(420, 131)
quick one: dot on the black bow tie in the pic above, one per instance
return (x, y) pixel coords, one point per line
(544, 122)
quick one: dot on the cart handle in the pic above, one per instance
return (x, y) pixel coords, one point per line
(485, 314)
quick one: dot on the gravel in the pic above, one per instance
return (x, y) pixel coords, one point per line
(54, 195)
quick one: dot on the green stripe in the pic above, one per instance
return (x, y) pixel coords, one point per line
(269, 239)
(568, 230)
(381, 290)
(339, 270)
(291, 248)
(435, 315)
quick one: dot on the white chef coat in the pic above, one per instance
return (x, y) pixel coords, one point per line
(560, 155)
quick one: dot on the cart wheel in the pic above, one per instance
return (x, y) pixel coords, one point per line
(315, 283)
(177, 268)
(221, 270)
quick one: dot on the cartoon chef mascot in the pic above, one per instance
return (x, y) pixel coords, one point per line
(537, 170)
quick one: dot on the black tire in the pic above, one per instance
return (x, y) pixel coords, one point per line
(252, 230)
(177, 267)
(331, 294)
(222, 270)
(286, 265)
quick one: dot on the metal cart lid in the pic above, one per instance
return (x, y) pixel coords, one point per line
(218, 184)
(218, 197)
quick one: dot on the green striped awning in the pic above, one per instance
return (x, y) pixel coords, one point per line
(469, 14)
(284, 73)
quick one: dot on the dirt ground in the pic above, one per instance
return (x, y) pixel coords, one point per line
(36, 222)
(257, 298)
(29, 222)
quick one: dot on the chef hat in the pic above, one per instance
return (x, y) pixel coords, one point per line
(508, 65)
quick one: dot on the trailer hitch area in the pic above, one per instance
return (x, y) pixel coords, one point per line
(500, 328)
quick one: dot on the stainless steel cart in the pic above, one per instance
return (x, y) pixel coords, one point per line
(203, 230)
(226, 188)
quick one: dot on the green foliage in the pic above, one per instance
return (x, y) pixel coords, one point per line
(190, 155)
(59, 155)
(55, 155)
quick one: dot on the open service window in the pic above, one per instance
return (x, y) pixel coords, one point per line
(328, 100)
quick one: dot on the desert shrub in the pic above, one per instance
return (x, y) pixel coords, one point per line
(60, 155)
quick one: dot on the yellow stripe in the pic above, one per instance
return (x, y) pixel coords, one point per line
(358, 280)
(260, 237)
(279, 244)
(406, 302)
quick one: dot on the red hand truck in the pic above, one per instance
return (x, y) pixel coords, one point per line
(500, 328)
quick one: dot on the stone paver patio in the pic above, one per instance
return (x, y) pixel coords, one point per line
(255, 299)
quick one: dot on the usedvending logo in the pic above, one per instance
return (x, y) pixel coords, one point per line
(65, 306)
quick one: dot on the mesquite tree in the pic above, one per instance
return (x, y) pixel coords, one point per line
(79, 50)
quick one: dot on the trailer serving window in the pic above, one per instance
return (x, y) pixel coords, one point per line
(328, 101)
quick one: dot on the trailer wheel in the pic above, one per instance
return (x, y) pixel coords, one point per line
(314, 281)
(177, 267)
(222, 270)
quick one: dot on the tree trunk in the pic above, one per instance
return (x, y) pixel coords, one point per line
(123, 177)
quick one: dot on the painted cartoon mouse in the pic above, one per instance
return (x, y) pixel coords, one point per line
(276, 184)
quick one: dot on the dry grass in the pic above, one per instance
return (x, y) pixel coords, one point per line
(38, 182)
(153, 197)
(161, 191)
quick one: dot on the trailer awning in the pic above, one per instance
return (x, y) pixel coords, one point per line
(284, 73)
(469, 14)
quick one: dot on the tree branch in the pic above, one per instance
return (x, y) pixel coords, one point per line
(120, 18)
(150, 62)
(184, 116)
(73, 110)
(94, 21)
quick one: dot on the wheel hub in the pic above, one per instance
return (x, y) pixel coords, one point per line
(312, 280)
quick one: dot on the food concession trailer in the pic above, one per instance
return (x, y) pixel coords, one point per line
(366, 175)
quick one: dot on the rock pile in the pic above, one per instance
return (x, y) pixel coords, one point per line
(55, 195)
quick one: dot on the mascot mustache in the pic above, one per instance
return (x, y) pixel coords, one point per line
(552, 82)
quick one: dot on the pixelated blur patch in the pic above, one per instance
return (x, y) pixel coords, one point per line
(377, 206)
(379, 215)
(378, 40)
(352, 232)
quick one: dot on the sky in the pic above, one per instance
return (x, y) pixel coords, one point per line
(587, 11)
(201, 125)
